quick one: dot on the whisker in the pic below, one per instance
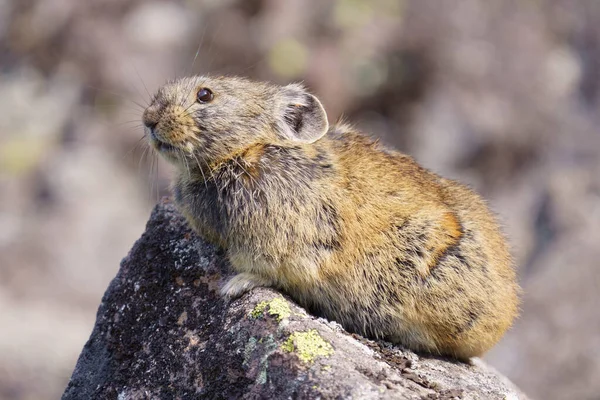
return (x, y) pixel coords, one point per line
(137, 143)
(202, 172)
(214, 179)
(210, 170)
(142, 158)
(212, 41)
(186, 115)
(157, 184)
(198, 50)
(143, 83)
(133, 121)
(118, 95)
(245, 70)
(151, 177)
(115, 125)
(210, 46)
(187, 166)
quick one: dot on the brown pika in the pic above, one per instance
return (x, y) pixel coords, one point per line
(351, 230)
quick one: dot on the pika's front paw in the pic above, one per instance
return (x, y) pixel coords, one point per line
(240, 284)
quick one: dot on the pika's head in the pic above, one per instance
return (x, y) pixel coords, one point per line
(210, 119)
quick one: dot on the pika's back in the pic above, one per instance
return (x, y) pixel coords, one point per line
(429, 266)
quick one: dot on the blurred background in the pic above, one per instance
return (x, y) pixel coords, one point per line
(503, 95)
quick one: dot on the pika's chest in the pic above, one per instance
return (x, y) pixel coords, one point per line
(200, 204)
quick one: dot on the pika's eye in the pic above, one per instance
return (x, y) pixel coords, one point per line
(205, 95)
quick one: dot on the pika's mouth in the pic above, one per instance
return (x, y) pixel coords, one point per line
(159, 144)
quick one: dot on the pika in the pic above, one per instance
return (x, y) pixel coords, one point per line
(351, 230)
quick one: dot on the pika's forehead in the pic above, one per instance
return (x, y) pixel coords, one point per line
(221, 86)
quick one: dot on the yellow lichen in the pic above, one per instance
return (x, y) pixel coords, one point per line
(278, 308)
(258, 310)
(307, 346)
(288, 345)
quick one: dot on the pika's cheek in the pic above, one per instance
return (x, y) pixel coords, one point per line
(177, 125)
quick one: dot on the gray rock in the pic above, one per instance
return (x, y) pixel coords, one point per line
(163, 332)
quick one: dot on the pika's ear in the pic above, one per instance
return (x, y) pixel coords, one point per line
(302, 116)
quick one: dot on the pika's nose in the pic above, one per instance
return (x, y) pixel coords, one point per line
(151, 124)
(150, 119)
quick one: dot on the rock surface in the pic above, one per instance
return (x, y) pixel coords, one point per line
(162, 331)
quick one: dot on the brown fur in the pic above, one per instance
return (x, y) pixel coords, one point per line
(351, 230)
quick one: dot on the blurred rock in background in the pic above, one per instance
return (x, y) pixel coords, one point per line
(504, 95)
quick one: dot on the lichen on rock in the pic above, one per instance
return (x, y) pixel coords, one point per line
(278, 308)
(307, 346)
